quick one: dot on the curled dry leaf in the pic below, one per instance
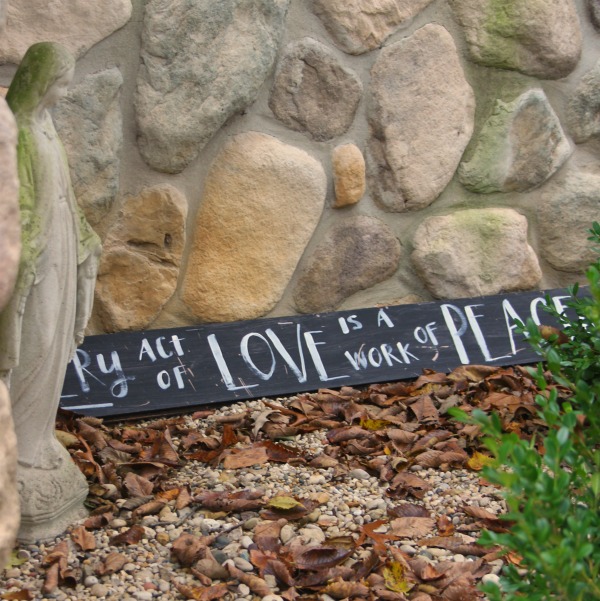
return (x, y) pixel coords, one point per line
(130, 537)
(408, 510)
(254, 583)
(83, 539)
(445, 526)
(244, 500)
(23, 595)
(340, 589)
(406, 483)
(151, 508)
(202, 593)
(239, 458)
(266, 535)
(112, 563)
(137, 486)
(318, 558)
(188, 549)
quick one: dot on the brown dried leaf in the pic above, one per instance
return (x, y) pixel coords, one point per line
(51, 579)
(137, 486)
(83, 539)
(162, 451)
(188, 549)
(184, 498)
(406, 483)
(247, 457)
(339, 589)
(254, 583)
(151, 508)
(379, 538)
(130, 537)
(318, 558)
(202, 593)
(425, 410)
(346, 433)
(244, 500)
(445, 526)
(412, 527)
(266, 535)
(112, 563)
(95, 522)
(23, 595)
(479, 513)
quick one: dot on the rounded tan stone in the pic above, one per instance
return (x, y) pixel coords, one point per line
(475, 252)
(355, 254)
(262, 201)
(141, 259)
(348, 175)
(76, 24)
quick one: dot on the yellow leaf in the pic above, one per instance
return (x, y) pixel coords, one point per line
(15, 560)
(394, 578)
(479, 461)
(284, 503)
(373, 424)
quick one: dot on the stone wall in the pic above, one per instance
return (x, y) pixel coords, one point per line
(248, 158)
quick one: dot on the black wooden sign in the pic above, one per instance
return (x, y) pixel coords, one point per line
(183, 368)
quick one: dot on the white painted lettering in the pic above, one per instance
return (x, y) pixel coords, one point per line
(472, 318)
(386, 351)
(246, 356)
(356, 325)
(383, 317)
(510, 318)
(430, 327)
(359, 361)
(222, 365)
(404, 352)
(456, 333)
(179, 370)
(147, 349)
(311, 344)
(375, 357)
(164, 379)
(299, 373)
(533, 309)
(119, 387)
(80, 368)
(161, 351)
(176, 342)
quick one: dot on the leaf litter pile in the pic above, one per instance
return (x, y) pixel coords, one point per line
(396, 435)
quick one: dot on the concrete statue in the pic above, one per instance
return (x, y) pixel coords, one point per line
(9, 262)
(48, 312)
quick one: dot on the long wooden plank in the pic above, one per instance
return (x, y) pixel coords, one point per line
(183, 368)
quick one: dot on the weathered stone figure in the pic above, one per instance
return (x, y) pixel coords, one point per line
(9, 260)
(51, 304)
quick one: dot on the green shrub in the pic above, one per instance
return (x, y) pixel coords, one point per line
(553, 496)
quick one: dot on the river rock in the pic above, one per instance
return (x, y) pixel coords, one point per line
(141, 259)
(519, 147)
(202, 62)
(313, 92)
(89, 122)
(421, 114)
(583, 108)
(567, 211)
(355, 254)
(359, 26)
(76, 24)
(10, 232)
(475, 252)
(348, 175)
(262, 202)
(541, 38)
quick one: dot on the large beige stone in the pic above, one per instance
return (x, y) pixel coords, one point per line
(9, 498)
(355, 254)
(566, 213)
(262, 201)
(475, 252)
(90, 125)
(203, 62)
(76, 24)
(10, 233)
(358, 26)
(348, 175)
(583, 108)
(541, 38)
(421, 114)
(519, 147)
(141, 259)
(313, 92)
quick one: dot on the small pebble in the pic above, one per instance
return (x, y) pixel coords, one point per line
(99, 590)
(493, 578)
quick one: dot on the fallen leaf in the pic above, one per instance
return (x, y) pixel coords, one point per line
(408, 510)
(412, 527)
(254, 583)
(112, 563)
(130, 537)
(478, 461)
(445, 526)
(395, 578)
(316, 558)
(379, 538)
(244, 500)
(266, 535)
(340, 589)
(137, 486)
(83, 539)
(247, 457)
(405, 483)
(202, 593)
(187, 549)
(22, 595)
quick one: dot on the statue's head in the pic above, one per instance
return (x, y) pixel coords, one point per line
(42, 78)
